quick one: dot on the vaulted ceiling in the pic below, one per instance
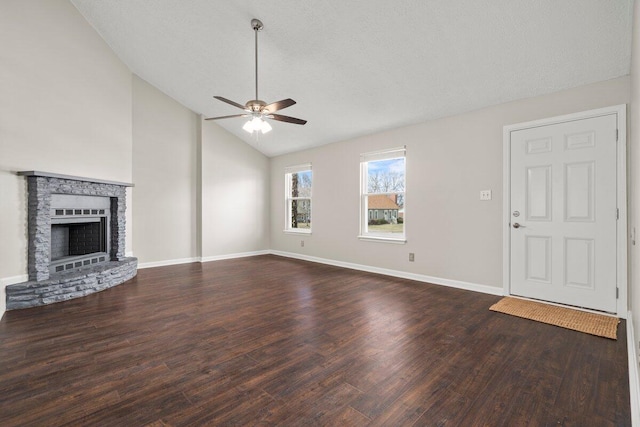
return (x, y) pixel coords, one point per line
(363, 66)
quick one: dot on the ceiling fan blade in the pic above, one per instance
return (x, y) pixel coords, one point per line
(228, 101)
(227, 117)
(281, 118)
(280, 105)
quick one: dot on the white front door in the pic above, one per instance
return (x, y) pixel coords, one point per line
(564, 213)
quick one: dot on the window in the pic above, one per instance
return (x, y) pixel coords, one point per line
(298, 181)
(382, 190)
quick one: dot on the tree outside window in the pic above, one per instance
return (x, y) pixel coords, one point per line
(299, 180)
(383, 194)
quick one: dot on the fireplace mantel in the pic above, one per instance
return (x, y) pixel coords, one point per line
(73, 178)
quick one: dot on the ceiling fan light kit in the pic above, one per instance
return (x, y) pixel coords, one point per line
(257, 109)
(257, 124)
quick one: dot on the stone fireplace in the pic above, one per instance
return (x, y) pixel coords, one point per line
(76, 229)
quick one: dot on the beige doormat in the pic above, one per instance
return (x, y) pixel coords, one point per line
(590, 323)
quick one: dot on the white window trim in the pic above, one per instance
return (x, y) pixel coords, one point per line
(287, 191)
(394, 153)
(382, 239)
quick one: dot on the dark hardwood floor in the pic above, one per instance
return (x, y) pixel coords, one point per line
(274, 341)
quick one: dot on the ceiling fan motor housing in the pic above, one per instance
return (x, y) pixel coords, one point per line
(255, 105)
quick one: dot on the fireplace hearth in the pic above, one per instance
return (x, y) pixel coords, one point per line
(76, 229)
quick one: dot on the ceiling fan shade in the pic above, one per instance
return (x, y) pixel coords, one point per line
(256, 108)
(257, 124)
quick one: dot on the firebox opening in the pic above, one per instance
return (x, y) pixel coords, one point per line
(78, 238)
(80, 230)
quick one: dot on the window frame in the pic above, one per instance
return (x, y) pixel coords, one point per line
(365, 234)
(288, 199)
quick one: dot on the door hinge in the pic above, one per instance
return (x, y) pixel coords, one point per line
(617, 213)
(617, 293)
(617, 135)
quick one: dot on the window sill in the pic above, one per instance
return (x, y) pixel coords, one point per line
(394, 240)
(308, 232)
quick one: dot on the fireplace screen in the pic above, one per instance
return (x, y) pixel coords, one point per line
(79, 236)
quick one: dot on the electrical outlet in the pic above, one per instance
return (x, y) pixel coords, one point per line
(412, 256)
(485, 195)
(302, 243)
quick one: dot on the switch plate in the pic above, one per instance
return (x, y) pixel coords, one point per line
(302, 243)
(485, 195)
(412, 256)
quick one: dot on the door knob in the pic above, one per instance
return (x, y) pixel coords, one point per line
(516, 225)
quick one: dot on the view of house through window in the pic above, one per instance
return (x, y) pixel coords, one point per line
(298, 198)
(383, 192)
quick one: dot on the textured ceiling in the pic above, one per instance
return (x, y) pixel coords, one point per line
(363, 66)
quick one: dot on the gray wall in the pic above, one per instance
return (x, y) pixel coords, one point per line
(200, 191)
(165, 139)
(453, 234)
(235, 195)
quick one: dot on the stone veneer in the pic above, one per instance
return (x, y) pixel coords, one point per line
(74, 284)
(45, 288)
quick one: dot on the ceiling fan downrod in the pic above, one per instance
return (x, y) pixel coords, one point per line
(257, 25)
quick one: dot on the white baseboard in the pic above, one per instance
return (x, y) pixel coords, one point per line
(396, 273)
(200, 259)
(634, 381)
(237, 255)
(13, 280)
(167, 262)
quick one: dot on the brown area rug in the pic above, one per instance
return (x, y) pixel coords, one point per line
(590, 323)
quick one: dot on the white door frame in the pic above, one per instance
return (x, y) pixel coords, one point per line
(621, 176)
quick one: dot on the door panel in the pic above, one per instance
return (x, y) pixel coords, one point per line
(579, 261)
(579, 191)
(539, 193)
(563, 197)
(538, 261)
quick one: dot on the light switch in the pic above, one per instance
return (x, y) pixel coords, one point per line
(485, 195)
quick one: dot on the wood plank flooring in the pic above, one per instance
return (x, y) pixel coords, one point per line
(273, 341)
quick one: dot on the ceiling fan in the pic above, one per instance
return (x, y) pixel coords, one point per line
(256, 109)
